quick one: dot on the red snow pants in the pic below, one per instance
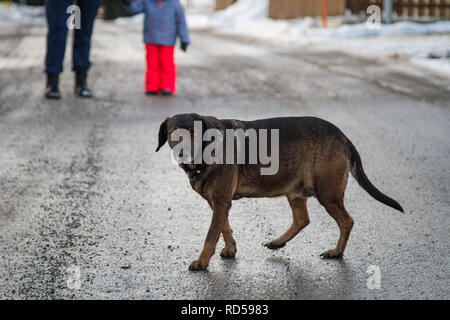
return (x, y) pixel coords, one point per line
(161, 68)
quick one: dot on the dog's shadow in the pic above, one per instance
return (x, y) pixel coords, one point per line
(280, 278)
(304, 281)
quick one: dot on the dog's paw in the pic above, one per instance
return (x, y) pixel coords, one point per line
(228, 252)
(331, 254)
(273, 245)
(197, 265)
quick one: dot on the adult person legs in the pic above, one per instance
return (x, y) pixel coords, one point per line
(82, 46)
(57, 16)
(56, 43)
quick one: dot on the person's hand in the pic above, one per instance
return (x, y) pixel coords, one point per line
(184, 46)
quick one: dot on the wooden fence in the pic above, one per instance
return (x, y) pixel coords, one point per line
(407, 8)
(287, 9)
(222, 4)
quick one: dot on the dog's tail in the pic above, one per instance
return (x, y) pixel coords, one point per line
(360, 176)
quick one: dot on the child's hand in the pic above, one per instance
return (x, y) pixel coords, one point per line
(184, 46)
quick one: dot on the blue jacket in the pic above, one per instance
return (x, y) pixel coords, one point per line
(164, 21)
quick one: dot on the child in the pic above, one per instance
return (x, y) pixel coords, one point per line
(164, 21)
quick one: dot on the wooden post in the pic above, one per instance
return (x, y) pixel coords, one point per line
(325, 13)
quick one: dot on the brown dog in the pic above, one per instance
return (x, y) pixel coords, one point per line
(315, 158)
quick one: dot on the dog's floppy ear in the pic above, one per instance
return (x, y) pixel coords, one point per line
(162, 135)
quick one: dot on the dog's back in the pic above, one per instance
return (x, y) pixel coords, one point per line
(308, 148)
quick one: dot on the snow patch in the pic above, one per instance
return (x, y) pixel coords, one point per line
(20, 14)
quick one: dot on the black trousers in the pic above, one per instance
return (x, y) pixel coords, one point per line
(57, 16)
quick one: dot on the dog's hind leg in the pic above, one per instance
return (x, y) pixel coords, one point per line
(337, 210)
(299, 221)
(229, 251)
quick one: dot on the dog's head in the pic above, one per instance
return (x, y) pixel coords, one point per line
(186, 122)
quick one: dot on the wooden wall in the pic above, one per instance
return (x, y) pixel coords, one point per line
(222, 4)
(407, 8)
(287, 9)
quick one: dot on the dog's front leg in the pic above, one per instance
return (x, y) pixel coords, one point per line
(229, 251)
(220, 214)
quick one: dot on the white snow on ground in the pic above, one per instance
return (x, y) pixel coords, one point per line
(15, 14)
(415, 41)
(249, 17)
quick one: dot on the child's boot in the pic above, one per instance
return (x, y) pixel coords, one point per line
(166, 92)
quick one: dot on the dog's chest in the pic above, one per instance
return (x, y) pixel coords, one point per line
(199, 187)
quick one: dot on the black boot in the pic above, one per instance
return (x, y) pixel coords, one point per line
(166, 92)
(81, 88)
(52, 90)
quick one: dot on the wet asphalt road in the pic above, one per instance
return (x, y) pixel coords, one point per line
(81, 187)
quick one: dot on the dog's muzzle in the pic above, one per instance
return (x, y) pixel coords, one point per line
(192, 173)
